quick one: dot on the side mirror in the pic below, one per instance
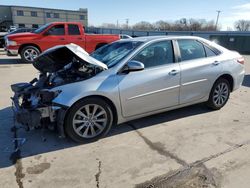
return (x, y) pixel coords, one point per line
(133, 66)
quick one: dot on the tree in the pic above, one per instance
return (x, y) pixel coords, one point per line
(242, 25)
(143, 25)
(162, 25)
(108, 25)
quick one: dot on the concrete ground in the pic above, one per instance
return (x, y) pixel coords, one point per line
(189, 147)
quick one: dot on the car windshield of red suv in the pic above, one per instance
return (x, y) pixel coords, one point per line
(42, 28)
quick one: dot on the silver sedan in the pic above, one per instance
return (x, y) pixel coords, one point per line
(144, 76)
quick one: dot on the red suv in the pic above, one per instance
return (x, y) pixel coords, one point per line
(30, 45)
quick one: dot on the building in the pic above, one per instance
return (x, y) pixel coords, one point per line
(33, 17)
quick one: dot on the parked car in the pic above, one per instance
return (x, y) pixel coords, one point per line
(30, 45)
(18, 30)
(85, 95)
(124, 36)
(12, 28)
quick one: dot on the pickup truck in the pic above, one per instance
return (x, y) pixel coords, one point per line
(30, 45)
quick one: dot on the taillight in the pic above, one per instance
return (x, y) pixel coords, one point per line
(241, 60)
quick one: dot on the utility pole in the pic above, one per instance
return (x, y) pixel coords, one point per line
(127, 21)
(117, 23)
(218, 15)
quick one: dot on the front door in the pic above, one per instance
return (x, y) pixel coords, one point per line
(154, 88)
(54, 36)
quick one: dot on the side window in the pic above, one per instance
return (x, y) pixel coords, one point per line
(160, 53)
(57, 30)
(73, 29)
(209, 52)
(191, 49)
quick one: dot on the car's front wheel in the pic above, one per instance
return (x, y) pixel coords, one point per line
(219, 94)
(29, 54)
(88, 120)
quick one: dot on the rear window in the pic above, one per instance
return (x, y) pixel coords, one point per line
(191, 49)
(73, 29)
(209, 52)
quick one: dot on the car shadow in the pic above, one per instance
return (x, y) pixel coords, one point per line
(37, 142)
(246, 81)
(11, 61)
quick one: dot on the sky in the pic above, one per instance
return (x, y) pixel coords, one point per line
(111, 11)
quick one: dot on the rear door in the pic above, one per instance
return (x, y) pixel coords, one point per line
(74, 35)
(199, 69)
(55, 35)
(154, 88)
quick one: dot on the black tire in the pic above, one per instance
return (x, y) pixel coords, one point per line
(26, 49)
(211, 103)
(72, 114)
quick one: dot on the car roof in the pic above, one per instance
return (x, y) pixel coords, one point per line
(152, 38)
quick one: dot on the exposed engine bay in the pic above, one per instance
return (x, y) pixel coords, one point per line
(58, 66)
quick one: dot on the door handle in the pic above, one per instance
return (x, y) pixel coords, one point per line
(216, 63)
(79, 38)
(173, 72)
(62, 38)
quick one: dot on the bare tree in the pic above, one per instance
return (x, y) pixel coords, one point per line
(242, 25)
(143, 25)
(108, 25)
(162, 25)
(183, 24)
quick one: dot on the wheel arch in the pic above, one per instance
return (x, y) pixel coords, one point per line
(229, 78)
(107, 100)
(28, 44)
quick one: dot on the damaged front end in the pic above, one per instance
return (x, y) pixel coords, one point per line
(33, 102)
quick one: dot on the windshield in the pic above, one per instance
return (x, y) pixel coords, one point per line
(112, 53)
(41, 29)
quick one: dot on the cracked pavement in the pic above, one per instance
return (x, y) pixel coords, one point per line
(188, 147)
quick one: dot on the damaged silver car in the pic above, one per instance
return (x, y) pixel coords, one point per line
(83, 95)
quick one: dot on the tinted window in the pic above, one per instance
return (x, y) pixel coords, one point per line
(160, 53)
(191, 49)
(73, 29)
(57, 30)
(209, 52)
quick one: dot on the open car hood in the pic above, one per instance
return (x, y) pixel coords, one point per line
(57, 57)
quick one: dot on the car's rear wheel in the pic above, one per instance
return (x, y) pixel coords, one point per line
(29, 54)
(88, 120)
(219, 94)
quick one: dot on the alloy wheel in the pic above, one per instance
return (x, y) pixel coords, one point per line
(220, 95)
(90, 120)
(30, 54)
